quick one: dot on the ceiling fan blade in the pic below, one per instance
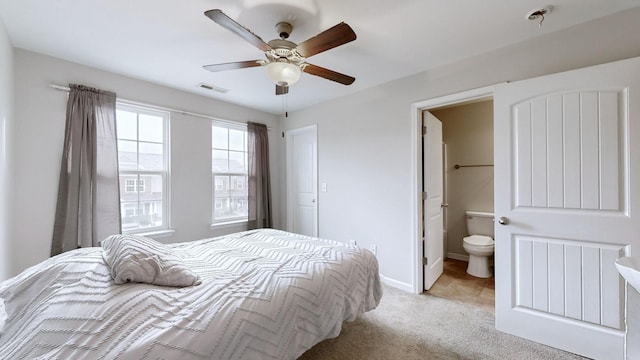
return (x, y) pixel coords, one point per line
(328, 39)
(328, 74)
(281, 90)
(233, 65)
(228, 23)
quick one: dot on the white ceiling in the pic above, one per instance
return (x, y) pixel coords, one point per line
(168, 41)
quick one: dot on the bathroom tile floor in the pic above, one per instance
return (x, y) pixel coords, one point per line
(456, 284)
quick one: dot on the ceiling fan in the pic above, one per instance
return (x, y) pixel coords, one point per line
(285, 59)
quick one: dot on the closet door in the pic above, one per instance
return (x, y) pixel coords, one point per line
(302, 180)
(567, 176)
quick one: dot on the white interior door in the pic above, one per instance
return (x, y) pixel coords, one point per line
(433, 200)
(567, 157)
(302, 181)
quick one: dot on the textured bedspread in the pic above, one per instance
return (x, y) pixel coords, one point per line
(265, 294)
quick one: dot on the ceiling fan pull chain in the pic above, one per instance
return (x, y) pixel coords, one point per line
(284, 105)
(284, 100)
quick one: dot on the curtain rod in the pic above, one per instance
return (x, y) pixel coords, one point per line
(137, 103)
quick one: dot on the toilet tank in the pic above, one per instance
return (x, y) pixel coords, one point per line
(479, 223)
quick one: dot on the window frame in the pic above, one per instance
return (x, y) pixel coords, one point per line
(229, 220)
(164, 174)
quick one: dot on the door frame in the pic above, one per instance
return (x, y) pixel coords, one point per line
(417, 108)
(290, 196)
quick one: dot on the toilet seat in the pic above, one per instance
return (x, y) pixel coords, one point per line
(479, 240)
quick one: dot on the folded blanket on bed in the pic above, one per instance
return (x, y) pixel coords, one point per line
(134, 258)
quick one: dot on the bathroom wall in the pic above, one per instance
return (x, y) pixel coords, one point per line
(468, 132)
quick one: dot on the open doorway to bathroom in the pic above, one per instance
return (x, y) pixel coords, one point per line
(467, 135)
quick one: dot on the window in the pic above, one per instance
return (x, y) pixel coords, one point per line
(130, 185)
(143, 165)
(229, 169)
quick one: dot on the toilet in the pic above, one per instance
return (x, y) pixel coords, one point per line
(479, 244)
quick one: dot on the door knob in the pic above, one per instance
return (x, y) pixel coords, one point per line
(313, 201)
(503, 220)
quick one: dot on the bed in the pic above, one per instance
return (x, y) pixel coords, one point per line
(260, 294)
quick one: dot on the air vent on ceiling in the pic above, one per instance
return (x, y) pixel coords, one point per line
(213, 88)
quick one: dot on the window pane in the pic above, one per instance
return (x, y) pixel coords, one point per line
(219, 137)
(151, 213)
(141, 215)
(129, 213)
(221, 186)
(236, 161)
(127, 154)
(126, 123)
(238, 186)
(220, 160)
(218, 184)
(151, 128)
(153, 187)
(218, 204)
(236, 140)
(239, 206)
(151, 156)
(127, 146)
(128, 191)
(222, 208)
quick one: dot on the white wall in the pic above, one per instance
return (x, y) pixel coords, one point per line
(6, 120)
(365, 143)
(468, 132)
(39, 134)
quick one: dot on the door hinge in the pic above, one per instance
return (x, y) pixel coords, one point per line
(425, 261)
(424, 195)
(424, 130)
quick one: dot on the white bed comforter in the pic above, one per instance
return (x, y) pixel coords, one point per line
(265, 294)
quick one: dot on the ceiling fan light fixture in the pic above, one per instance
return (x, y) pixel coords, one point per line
(283, 73)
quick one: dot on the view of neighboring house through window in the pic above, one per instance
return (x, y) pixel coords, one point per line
(143, 165)
(229, 168)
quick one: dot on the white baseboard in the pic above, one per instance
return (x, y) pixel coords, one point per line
(455, 256)
(397, 284)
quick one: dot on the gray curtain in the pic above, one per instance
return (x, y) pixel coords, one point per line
(88, 208)
(259, 183)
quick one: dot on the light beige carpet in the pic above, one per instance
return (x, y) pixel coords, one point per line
(407, 326)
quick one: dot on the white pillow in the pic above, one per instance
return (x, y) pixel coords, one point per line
(134, 258)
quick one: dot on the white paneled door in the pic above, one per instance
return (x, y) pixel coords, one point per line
(432, 199)
(567, 157)
(302, 181)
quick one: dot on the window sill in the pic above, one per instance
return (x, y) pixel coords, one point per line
(155, 234)
(229, 224)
